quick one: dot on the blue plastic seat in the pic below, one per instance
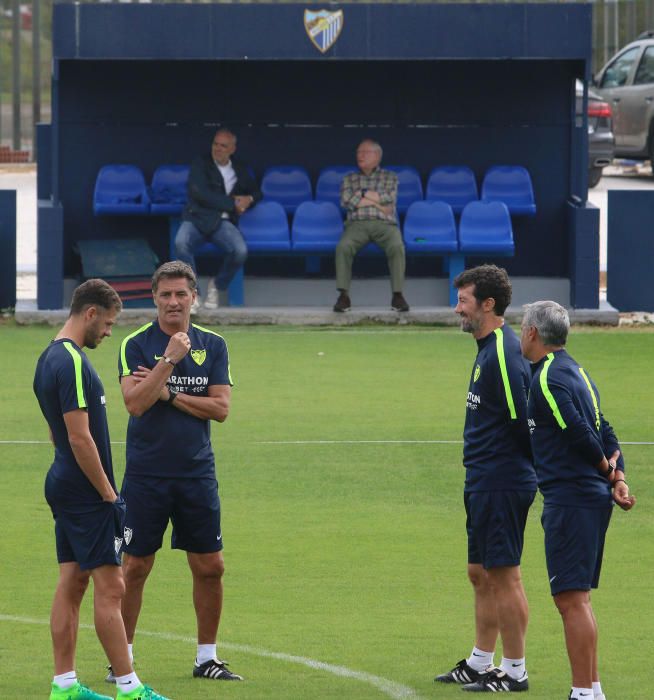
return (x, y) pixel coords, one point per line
(317, 227)
(409, 186)
(168, 189)
(328, 187)
(120, 189)
(454, 184)
(265, 228)
(510, 184)
(485, 227)
(287, 184)
(429, 227)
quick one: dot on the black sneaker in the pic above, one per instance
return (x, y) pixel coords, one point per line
(398, 302)
(497, 681)
(216, 670)
(461, 673)
(343, 303)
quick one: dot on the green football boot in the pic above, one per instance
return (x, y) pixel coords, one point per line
(75, 692)
(142, 693)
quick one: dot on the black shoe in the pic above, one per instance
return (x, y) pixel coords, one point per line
(497, 681)
(398, 302)
(343, 303)
(461, 673)
(216, 670)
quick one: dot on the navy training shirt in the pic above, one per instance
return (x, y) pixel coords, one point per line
(569, 434)
(164, 441)
(65, 381)
(496, 451)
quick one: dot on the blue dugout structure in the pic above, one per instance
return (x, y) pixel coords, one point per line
(436, 84)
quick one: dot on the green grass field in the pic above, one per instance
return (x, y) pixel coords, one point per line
(343, 523)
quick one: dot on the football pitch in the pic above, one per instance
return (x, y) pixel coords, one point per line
(341, 489)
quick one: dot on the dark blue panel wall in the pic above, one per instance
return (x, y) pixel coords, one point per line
(276, 31)
(630, 250)
(8, 247)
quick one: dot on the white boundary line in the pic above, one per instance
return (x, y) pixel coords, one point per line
(388, 687)
(316, 442)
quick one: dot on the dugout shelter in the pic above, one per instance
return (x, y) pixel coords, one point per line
(436, 84)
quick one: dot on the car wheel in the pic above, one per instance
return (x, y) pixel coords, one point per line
(594, 176)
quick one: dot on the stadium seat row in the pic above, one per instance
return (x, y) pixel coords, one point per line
(121, 189)
(429, 227)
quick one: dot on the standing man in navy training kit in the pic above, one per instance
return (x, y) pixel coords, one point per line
(175, 379)
(81, 492)
(500, 485)
(580, 474)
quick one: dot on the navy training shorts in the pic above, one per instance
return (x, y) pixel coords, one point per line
(496, 526)
(574, 545)
(192, 505)
(88, 533)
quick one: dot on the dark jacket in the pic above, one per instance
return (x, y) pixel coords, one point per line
(496, 450)
(569, 433)
(207, 199)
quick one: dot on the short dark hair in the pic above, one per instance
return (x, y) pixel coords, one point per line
(489, 281)
(174, 269)
(95, 292)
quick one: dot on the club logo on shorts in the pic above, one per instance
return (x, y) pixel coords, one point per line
(323, 28)
(477, 373)
(199, 356)
(127, 532)
(118, 543)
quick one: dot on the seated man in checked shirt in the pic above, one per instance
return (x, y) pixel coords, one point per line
(369, 198)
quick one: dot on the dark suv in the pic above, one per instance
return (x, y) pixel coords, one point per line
(627, 83)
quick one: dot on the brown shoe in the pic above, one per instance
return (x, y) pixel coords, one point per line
(343, 303)
(398, 302)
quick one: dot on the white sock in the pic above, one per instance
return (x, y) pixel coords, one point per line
(128, 683)
(515, 668)
(597, 689)
(581, 693)
(66, 680)
(206, 652)
(480, 660)
(130, 651)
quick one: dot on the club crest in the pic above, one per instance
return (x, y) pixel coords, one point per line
(477, 373)
(199, 356)
(323, 27)
(118, 543)
(127, 532)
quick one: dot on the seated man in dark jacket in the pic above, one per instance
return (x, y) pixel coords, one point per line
(219, 191)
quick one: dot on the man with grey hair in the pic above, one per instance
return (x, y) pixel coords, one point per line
(580, 472)
(369, 198)
(220, 189)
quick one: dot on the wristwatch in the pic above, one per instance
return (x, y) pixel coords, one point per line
(168, 361)
(172, 395)
(608, 472)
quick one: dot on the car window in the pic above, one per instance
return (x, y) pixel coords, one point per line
(645, 72)
(617, 73)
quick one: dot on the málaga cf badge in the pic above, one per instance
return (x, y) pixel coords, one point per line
(199, 356)
(323, 27)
